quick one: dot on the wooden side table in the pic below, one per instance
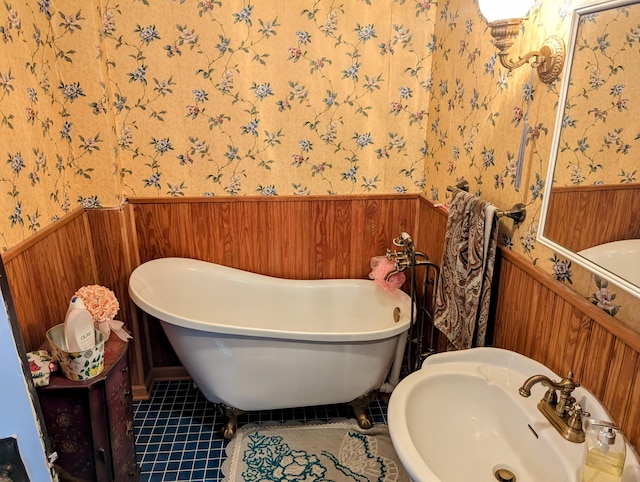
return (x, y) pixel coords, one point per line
(90, 423)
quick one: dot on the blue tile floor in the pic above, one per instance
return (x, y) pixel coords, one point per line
(178, 431)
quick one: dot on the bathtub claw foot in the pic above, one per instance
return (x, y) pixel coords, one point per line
(232, 414)
(360, 406)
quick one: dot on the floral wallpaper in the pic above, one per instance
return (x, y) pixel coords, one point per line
(600, 133)
(184, 97)
(101, 100)
(482, 118)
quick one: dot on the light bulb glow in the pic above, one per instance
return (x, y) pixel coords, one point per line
(494, 10)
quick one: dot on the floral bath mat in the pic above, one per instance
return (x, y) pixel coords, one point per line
(334, 451)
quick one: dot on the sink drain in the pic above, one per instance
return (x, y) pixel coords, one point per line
(504, 475)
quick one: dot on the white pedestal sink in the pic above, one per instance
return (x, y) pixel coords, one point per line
(461, 418)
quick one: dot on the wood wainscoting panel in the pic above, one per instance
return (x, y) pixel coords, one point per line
(581, 207)
(543, 319)
(45, 271)
(431, 225)
(116, 256)
(288, 237)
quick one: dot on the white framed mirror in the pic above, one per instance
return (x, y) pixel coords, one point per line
(591, 207)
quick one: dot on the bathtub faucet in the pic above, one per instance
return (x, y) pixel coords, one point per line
(562, 412)
(406, 258)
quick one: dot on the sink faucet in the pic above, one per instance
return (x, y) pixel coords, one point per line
(562, 412)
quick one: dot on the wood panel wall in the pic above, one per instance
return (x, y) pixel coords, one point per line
(309, 238)
(287, 237)
(45, 271)
(575, 210)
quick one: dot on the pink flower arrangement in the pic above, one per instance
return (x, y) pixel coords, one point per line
(101, 302)
(102, 305)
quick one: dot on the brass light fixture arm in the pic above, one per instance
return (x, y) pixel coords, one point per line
(548, 61)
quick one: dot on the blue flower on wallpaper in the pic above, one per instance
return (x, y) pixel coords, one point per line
(16, 216)
(244, 15)
(153, 180)
(303, 37)
(120, 102)
(45, 5)
(71, 91)
(305, 145)
(527, 92)
(363, 140)
(330, 99)
(537, 186)
(138, 75)
(223, 44)
(365, 32)
(490, 65)
(262, 91)
(147, 34)
(568, 121)
(350, 175)
(231, 153)
(351, 72)
(507, 242)
(561, 269)
(603, 42)
(199, 95)
(16, 162)
(89, 202)
(444, 88)
(161, 145)
(65, 132)
(251, 128)
(405, 92)
(617, 90)
(267, 190)
(488, 158)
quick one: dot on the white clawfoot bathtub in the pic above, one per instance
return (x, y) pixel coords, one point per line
(254, 342)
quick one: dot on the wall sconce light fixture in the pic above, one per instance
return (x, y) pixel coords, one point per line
(504, 18)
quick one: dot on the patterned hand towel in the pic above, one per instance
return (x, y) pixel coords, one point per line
(466, 271)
